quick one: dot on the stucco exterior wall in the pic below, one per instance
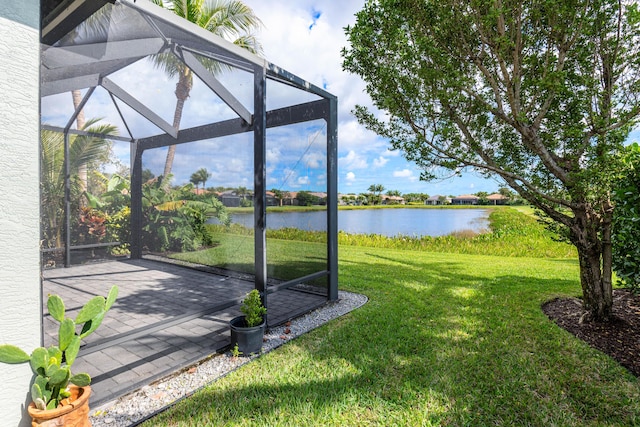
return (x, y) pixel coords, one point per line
(20, 315)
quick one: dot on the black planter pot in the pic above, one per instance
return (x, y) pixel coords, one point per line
(249, 339)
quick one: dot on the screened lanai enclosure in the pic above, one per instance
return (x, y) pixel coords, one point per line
(166, 149)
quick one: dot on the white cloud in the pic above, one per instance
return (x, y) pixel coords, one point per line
(303, 180)
(405, 174)
(273, 154)
(314, 160)
(392, 153)
(353, 161)
(380, 162)
(352, 136)
(350, 177)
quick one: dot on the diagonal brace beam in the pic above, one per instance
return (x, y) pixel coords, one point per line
(124, 96)
(215, 85)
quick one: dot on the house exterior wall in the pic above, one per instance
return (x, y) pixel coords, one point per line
(20, 308)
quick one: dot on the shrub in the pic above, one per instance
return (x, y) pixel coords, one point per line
(626, 222)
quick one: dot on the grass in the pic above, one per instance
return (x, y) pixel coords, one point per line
(445, 339)
(286, 259)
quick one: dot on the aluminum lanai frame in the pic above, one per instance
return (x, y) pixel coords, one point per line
(88, 65)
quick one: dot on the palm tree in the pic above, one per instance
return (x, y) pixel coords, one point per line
(195, 179)
(376, 189)
(200, 176)
(231, 19)
(83, 150)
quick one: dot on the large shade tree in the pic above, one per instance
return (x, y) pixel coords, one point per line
(230, 19)
(541, 94)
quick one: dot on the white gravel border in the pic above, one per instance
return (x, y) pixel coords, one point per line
(146, 402)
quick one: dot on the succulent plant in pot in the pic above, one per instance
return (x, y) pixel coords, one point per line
(56, 391)
(247, 331)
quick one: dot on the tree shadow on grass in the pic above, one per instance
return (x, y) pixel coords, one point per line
(435, 345)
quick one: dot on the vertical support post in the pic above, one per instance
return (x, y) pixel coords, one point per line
(136, 201)
(332, 198)
(67, 202)
(260, 179)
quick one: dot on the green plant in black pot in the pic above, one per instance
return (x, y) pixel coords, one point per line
(247, 332)
(253, 309)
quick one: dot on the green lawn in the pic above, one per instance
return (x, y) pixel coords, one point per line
(445, 339)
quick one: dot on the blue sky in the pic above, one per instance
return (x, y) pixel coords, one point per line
(304, 37)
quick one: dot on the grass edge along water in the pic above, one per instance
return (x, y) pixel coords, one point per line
(512, 233)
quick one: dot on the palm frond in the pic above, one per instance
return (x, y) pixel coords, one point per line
(172, 205)
(168, 63)
(84, 149)
(250, 43)
(228, 18)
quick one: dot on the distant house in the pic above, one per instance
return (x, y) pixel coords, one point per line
(320, 195)
(200, 191)
(438, 200)
(272, 199)
(497, 199)
(289, 198)
(465, 199)
(230, 199)
(393, 200)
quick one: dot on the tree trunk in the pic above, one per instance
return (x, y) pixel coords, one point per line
(76, 95)
(591, 234)
(183, 88)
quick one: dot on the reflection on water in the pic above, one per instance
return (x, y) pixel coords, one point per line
(387, 222)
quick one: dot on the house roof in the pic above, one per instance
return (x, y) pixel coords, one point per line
(497, 196)
(437, 197)
(466, 197)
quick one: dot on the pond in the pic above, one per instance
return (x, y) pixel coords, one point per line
(387, 222)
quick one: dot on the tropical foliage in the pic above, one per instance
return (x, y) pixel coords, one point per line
(114, 202)
(174, 219)
(306, 198)
(83, 150)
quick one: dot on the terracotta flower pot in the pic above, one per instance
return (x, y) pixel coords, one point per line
(73, 413)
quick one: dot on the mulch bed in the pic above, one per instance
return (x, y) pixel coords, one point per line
(618, 337)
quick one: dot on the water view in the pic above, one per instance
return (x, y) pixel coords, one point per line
(387, 222)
